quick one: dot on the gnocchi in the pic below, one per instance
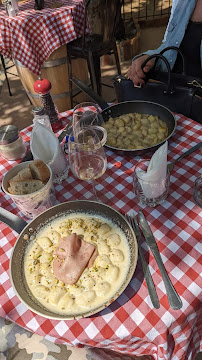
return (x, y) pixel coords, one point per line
(135, 131)
(96, 284)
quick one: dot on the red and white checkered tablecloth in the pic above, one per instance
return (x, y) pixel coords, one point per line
(130, 324)
(31, 36)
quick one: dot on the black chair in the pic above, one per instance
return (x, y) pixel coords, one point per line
(5, 69)
(92, 46)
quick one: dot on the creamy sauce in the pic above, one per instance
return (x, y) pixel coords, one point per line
(97, 284)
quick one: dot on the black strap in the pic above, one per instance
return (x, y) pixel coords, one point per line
(170, 86)
(181, 54)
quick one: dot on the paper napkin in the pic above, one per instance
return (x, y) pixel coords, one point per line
(153, 180)
(45, 146)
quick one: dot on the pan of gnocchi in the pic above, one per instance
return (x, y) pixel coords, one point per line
(67, 235)
(137, 127)
(133, 127)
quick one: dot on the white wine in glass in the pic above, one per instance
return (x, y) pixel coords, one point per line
(87, 157)
(87, 114)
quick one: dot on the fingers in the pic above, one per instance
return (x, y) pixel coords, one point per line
(135, 72)
(140, 73)
(138, 81)
(147, 69)
(149, 65)
(136, 75)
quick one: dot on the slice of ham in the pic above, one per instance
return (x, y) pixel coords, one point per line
(73, 255)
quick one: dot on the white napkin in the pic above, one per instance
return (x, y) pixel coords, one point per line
(154, 179)
(45, 146)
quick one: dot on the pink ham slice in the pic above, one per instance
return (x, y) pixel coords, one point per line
(73, 256)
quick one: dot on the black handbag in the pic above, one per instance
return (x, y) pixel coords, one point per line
(180, 93)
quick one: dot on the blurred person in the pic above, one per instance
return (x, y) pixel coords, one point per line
(184, 30)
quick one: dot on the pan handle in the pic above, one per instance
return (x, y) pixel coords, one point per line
(92, 94)
(13, 221)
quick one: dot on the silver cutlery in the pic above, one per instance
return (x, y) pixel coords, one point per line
(148, 278)
(173, 297)
(170, 166)
(66, 131)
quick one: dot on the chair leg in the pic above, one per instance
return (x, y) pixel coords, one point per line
(90, 62)
(5, 73)
(95, 72)
(116, 56)
(69, 64)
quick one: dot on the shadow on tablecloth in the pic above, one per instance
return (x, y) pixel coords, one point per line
(17, 344)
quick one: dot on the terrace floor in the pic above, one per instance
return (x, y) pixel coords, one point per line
(17, 109)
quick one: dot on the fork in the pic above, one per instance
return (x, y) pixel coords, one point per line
(170, 166)
(148, 278)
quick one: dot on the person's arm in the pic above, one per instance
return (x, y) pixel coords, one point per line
(164, 41)
(135, 72)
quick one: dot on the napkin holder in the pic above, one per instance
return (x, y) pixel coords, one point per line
(45, 146)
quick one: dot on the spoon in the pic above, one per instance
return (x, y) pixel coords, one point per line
(170, 166)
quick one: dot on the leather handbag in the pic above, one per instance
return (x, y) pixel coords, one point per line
(180, 93)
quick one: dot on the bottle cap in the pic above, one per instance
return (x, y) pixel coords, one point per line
(38, 110)
(8, 134)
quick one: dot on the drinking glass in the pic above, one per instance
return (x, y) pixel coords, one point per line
(87, 114)
(150, 192)
(87, 158)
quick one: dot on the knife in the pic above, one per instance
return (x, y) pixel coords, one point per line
(67, 131)
(148, 278)
(173, 297)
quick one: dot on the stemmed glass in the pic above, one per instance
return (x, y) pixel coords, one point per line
(87, 114)
(87, 158)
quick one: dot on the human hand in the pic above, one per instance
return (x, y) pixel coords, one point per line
(135, 72)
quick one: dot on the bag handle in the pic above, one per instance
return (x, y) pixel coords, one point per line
(169, 89)
(181, 54)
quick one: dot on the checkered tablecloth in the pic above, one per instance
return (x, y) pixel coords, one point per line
(131, 325)
(31, 36)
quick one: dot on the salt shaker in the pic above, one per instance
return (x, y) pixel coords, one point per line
(41, 116)
(11, 7)
(12, 146)
(15, 6)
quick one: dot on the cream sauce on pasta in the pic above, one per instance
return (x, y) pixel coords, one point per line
(97, 284)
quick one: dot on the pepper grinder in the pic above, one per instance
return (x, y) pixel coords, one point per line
(43, 87)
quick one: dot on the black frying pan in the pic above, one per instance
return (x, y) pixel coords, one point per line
(141, 107)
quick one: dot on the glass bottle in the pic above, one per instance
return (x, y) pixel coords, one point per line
(41, 116)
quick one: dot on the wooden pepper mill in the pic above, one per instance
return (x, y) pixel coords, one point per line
(43, 87)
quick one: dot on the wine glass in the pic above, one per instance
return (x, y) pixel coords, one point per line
(87, 158)
(87, 114)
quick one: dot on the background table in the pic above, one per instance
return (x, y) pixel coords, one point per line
(36, 40)
(32, 36)
(131, 324)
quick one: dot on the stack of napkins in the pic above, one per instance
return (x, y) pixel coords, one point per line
(153, 180)
(45, 146)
